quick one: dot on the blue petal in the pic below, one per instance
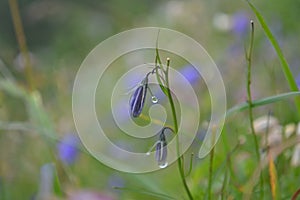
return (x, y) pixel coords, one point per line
(161, 152)
(137, 100)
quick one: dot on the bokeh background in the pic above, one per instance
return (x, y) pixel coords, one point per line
(41, 156)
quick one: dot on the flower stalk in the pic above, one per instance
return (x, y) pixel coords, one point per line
(167, 91)
(136, 104)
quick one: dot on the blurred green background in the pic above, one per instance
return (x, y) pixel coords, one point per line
(60, 34)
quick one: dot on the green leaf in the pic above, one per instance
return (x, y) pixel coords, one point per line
(261, 102)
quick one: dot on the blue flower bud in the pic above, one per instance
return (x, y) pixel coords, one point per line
(137, 100)
(161, 150)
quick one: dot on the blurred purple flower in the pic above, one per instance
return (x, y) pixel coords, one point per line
(115, 181)
(131, 80)
(68, 148)
(298, 81)
(123, 110)
(190, 73)
(240, 23)
(88, 194)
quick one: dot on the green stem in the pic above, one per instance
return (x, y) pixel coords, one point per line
(166, 90)
(179, 160)
(249, 60)
(211, 160)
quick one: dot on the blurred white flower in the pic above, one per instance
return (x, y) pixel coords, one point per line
(264, 123)
(289, 129)
(19, 62)
(269, 129)
(295, 161)
(174, 9)
(273, 137)
(238, 23)
(222, 22)
(298, 129)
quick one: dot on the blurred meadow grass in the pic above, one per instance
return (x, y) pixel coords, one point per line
(40, 154)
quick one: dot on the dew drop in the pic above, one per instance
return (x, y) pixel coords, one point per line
(148, 153)
(163, 165)
(154, 99)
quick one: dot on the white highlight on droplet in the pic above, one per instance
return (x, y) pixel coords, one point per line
(163, 165)
(154, 99)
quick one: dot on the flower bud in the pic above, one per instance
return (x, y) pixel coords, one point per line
(161, 150)
(137, 100)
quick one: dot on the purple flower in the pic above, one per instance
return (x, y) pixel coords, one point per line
(190, 73)
(115, 181)
(137, 100)
(68, 149)
(298, 81)
(88, 194)
(240, 23)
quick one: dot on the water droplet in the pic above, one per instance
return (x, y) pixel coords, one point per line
(154, 99)
(148, 153)
(163, 165)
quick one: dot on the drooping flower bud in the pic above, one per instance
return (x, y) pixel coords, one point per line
(161, 150)
(137, 100)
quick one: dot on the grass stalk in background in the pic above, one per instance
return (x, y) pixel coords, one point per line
(249, 61)
(211, 162)
(211, 165)
(20, 35)
(284, 64)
